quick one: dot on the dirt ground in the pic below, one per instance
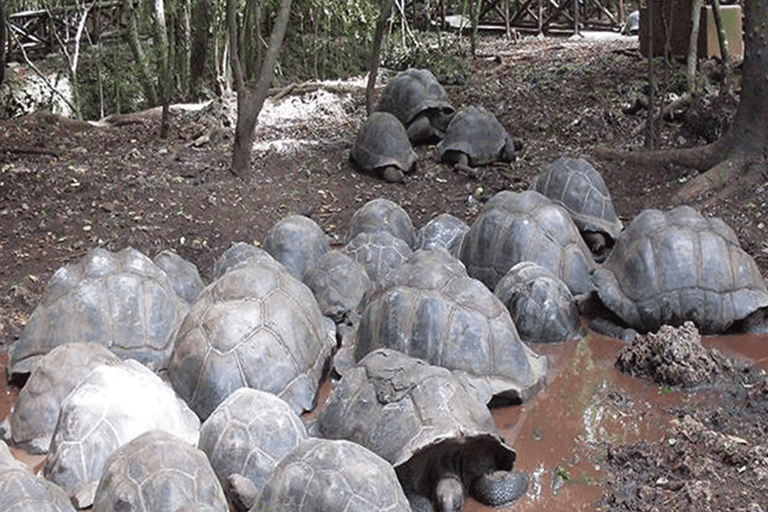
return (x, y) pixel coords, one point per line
(67, 187)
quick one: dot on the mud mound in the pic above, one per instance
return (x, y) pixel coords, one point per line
(673, 357)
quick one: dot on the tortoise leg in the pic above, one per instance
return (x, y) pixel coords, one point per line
(462, 164)
(421, 130)
(449, 494)
(393, 174)
(509, 151)
(498, 488)
(597, 244)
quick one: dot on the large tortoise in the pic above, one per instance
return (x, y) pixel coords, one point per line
(381, 214)
(577, 186)
(671, 266)
(417, 99)
(441, 440)
(113, 405)
(255, 326)
(237, 253)
(34, 415)
(382, 148)
(381, 253)
(323, 475)
(430, 309)
(526, 226)
(184, 275)
(245, 438)
(474, 138)
(339, 283)
(121, 300)
(297, 242)
(445, 231)
(157, 472)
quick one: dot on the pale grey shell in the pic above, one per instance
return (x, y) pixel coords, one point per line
(445, 231)
(297, 242)
(380, 252)
(339, 283)
(236, 254)
(184, 275)
(671, 266)
(381, 214)
(22, 491)
(412, 92)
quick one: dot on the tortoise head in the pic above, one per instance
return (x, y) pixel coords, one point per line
(449, 494)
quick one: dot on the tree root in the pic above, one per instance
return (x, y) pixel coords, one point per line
(714, 180)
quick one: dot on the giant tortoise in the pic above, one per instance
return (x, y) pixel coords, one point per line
(297, 242)
(23, 491)
(422, 419)
(382, 148)
(381, 214)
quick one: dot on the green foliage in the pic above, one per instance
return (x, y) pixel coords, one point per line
(447, 57)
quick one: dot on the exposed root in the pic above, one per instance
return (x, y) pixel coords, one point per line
(713, 180)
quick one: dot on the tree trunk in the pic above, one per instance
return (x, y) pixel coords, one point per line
(3, 39)
(693, 46)
(373, 61)
(249, 102)
(161, 46)
(132, 38)
(736, 161)
(199, 46)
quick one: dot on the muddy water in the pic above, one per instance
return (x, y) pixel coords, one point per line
(561, 434)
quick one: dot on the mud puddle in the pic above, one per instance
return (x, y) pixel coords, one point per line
(561, 435)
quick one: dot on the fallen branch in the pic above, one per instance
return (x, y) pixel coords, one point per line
(31, 151)
(681, 102)
(277, 93)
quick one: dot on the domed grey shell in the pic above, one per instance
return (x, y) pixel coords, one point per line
(445, 231)
(248, 434)
(540, 303)
(7, 461)
(430, 309)
(526, 226)
(475, 132)
(33, 418)
(323, 475)
(157, 472)
(577, 186)
(22, 491)
(236, 254)
(673, 266)
(184, 275)
(339, 283)
(121, 300)
(113, 405)
(255, 326)
(381, 214)
(412, 92)
(380, 252)
(297, 242)
(382, 142)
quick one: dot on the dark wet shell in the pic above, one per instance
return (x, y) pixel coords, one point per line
(184, 275)
(673, 266)
(540, 303)
(430, 309)
(36, 410)
(237, 253)
(324, 475)
(526, 226)
(381, 214)
(297, 242)
(121, 300)
(339, 283)
(398, 406)
(412, 92)
(248, 434)
(256, 326)
(576, 185)
(157, 472)
(380, 253)
(381, 142)
(475, 132)
(22, 491)
(445, 231)
(112, 406)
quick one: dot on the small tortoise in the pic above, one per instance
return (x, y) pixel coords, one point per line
(339, 283)
(297, 242)
(422, 419)
(671, 266)
(121, 300)
(113, 405)
(417, 99)
(381, 214)
(429, 308)
(541, 305)
(33, 419)
(157, 472)
(236, 254)
(577, 186)
(382, 148)
(474, 138)
(324, 475)
(514, 227)
(245, 437)
(255, 326)
(445, 231)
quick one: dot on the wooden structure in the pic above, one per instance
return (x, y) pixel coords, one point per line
(43, 31)
(543, 16)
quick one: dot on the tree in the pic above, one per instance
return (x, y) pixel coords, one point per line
(373, 61)
(738, 159)
(3, 38)
(249, 102)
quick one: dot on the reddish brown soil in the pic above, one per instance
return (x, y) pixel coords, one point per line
(68, 187)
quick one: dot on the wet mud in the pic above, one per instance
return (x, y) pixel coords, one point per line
(571, 435)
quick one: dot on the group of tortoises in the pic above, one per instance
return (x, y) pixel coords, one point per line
(414, 109)
(419, 330)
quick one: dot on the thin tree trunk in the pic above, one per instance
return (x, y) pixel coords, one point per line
(184, 52)
(693, 46)
(249, 102)
(161, 43)
(132, 38)
(3, 38)
(722, 38)
(373, 61)
(199, 45)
